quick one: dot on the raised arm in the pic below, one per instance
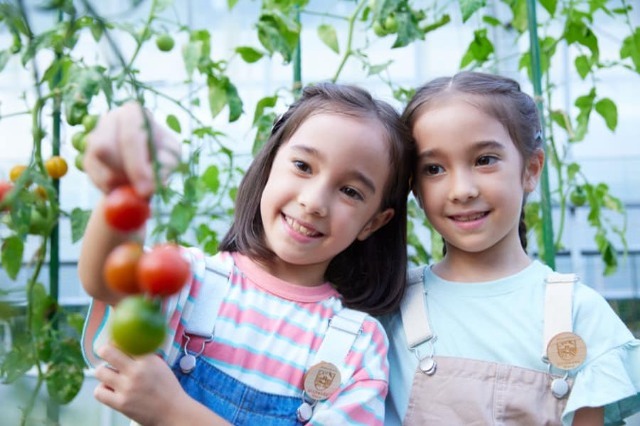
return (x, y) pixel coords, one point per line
(118, 154)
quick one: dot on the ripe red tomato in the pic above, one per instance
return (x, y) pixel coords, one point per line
(138, 326)
(120, 268)
(163, 270)
(125, 210)
(5, 187)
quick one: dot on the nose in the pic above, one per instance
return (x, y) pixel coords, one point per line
(314, 198)
(463, 186)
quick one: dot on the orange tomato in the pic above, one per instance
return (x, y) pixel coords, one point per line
(56, 167)
(120, 268)
(16, 171)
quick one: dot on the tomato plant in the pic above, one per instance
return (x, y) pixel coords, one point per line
(163, 270)
(578, 197)
(138, 326)
(56, 167)
(125, 210)
(120, 268)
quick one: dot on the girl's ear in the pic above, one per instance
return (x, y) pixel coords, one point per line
(377, 222)
(533, 170)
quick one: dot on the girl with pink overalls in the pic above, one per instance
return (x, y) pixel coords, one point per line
(487, 336)
(276, 328)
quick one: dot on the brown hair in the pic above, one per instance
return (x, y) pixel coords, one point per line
(369, 274)
(499, 97)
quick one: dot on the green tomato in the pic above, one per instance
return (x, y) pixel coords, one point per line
(138, 326)
(578, 197)
(38, 223)
(165, 42)
(79, 162)
(89, 122)
(391, 24)
(79, 141)
(378, 29)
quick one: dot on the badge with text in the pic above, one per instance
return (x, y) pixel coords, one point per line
(566, 351)
(321, 380)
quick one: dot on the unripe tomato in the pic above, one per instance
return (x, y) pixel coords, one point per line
(79, 141)
(125, 210)
(41, 192)
(137, 326)
(578, 197)
(79, 162)
(163, 271)
(56, 167)
(89, 122)
(165, 42)
(120, 268)
(38, 223)
(379, 30)
(16, 171)
(5, 187)
(391, 24)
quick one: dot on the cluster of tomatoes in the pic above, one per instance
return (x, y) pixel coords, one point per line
(79, 139)
(40, 219)
(138, 325)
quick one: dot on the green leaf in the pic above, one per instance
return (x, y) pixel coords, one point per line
(550, 6)
(408, 30)
(278, 33)
(79, 220)
(572, 170)
(174, 123)
(479, 49)
(377, 69)
(469, 7)
(249, 54)
(211, 178)
(609, 111)
(234, 101)
(264, 103)
(217, 96)
(191, 56)
(231, 3)
(12, 251)
(4, 58)
(583, 66)
(585, 105)
(16, 363)
(328, 35)
(519, 10)
(181, 217)
(631, 48)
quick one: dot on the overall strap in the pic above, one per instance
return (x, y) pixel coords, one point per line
(558, 306)
(413, 309)
(343, 329)
(206, 305)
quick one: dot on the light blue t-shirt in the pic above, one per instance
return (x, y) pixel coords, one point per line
(502, 321)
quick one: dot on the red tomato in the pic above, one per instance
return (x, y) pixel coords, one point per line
(120, 268)
(5, 187)
(125, 210)
(163, 270)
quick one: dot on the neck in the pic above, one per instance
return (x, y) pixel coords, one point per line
(303, 275)
(461, 266)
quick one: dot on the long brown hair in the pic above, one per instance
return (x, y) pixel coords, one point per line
(369, 274)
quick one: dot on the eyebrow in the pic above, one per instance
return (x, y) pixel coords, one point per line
(352, 174)
(480, 145)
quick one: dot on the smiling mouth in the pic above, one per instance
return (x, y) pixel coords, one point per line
(301, 229)
(469, 218)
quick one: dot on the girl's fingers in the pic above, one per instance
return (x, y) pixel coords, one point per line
(113, 356)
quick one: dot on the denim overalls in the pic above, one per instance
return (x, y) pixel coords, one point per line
(457, 391)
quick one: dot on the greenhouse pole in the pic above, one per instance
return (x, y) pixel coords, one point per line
(536, 77)
(297, 60)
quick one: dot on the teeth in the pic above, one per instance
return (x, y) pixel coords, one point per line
(470, 218)
(299, 228)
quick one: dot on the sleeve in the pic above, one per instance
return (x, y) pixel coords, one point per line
(610, 376)
(361, 400)
(96, 328)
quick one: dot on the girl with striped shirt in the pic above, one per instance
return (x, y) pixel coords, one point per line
(317, 246)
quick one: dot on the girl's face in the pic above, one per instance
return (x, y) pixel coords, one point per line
(324, 191)
(470, 178)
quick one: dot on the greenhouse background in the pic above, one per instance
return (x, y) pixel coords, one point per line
(609, 157)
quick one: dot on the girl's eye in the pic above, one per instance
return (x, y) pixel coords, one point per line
(352, 193)
(432, 169)
(302, 166)
(486, 160)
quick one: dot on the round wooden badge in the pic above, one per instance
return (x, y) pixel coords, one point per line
(566, 351)
(321, 380)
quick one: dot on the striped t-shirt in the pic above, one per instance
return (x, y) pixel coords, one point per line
(267, 333)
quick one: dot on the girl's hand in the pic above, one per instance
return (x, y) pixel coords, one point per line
(118, 151)
(143, 388)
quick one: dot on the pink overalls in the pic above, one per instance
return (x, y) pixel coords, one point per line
(457, 391)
